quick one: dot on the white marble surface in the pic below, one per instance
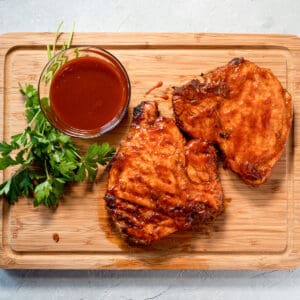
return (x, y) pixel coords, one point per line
(257, 16)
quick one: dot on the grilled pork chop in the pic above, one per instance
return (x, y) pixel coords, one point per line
(159, 184)
(244, 109)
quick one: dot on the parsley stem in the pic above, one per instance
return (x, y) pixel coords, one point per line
(49, 52)
(46, 169)
(56, 37)
(71, 36)
(34, 117)
(76, 154)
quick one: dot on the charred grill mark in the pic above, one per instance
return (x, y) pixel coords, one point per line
(251, 172)
(196, 90)
(109, 197)
(146, 112)
(222, 89)
(110, 201)
(138, 110)
(197, 84)
(236, 61)
(224, 135)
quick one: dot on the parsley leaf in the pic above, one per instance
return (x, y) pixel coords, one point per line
(95, 154)
(6, 161)
(5, 148)
(42, 192)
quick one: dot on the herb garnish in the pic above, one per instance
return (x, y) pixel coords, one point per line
(47, 158)
(60, 59)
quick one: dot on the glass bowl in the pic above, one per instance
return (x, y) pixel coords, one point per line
(44, 87)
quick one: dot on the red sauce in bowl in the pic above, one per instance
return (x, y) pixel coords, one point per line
(87, 93)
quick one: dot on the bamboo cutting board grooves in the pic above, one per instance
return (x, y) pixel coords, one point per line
(261, 226)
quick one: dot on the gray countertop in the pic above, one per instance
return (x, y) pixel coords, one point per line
(256, 16)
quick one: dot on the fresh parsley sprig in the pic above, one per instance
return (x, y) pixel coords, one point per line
(47, 159)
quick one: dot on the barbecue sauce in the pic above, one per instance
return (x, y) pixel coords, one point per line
(87, 93)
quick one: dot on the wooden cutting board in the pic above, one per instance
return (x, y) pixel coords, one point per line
(261, 226)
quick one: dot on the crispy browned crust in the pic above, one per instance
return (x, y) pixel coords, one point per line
(244, 109)
(157, 183)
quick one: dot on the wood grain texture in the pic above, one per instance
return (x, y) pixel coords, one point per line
(261, 226)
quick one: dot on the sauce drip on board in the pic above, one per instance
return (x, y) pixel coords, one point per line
(87, 93)
(158, 85)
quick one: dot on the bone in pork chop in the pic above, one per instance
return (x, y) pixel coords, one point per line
(159, 184)
(244, 109)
